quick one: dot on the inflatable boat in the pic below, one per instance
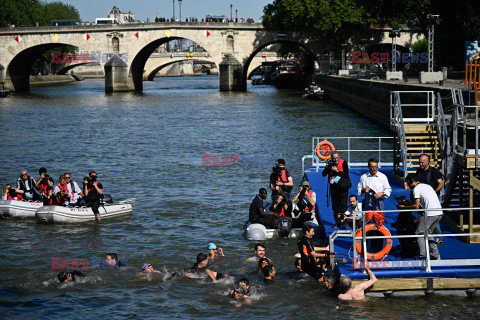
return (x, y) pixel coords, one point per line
(62, 214)
(19, 208)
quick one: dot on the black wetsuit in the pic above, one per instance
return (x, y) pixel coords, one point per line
(309, 265)
(76, 273)
(196, 269)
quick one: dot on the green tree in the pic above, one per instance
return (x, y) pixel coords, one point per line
(28, 12)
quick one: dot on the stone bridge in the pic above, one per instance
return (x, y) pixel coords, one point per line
(125, 49)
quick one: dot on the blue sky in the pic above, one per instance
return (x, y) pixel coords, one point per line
(143, 9)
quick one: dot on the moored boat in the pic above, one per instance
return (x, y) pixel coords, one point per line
(19, 208)
(62, 214)
(3, 92)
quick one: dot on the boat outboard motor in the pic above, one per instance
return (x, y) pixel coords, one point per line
(256, 232)
(106, 199)
(284, 226)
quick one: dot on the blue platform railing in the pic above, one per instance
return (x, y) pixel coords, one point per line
(427, 263)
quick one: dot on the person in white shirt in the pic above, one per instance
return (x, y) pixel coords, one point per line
(373, 187)
(353, 213)
(425, 198)
(74, 189)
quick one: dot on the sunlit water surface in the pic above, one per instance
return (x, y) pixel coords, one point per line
(149, 146)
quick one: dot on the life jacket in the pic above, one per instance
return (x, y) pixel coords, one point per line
(309, 207)
(283, 178)
(280, 210)
(339, 167)
(72, 186)
(90, 189)
(43, 186)
(23, 186)
(18, 197)
(63, 198)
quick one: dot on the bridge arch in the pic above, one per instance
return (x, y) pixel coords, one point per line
(258, 48)
(20, 67)
(153, 72)
(137, 65)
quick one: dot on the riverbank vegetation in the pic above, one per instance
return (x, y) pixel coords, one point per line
(29, 12)
(351, 21)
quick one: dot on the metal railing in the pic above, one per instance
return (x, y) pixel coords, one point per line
(428, 262)
(461, 116)
(429, 105)
(318, 163)
(396, 121)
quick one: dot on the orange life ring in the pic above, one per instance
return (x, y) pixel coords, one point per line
(324, 149)
(388, 242)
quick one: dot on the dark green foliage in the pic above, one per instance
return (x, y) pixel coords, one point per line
(29, 12)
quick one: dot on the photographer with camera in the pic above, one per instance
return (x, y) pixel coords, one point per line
(281, 180)
(44, 181)
(62, 192)
(352, 213)
(339, 182)
(50, 199)
(10, 193)
(280, 206)
(26, 186)
(425, 198)
(305, 200)
(92, 193)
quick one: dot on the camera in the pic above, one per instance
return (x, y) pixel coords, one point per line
(402, 200)
(46, 176)
(89, 180)
(330, 163)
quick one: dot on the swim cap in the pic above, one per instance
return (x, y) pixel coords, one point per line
(145, 266)
(212, 246)
(201, 257)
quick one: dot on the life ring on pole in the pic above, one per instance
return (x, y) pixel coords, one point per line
(388, 242)
(324, 149)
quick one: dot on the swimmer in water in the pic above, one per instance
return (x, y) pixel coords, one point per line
(148, 268)
(262, 263)
(269, 274)
(201, 266)
(240, 292)
(69, 276)
(214, 252)
(357, 292)
(259, 252)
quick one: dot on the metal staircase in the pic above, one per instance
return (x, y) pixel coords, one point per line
(414, 135)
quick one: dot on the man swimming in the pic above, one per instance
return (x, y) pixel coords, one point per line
(259, 252)
(241, 291)
(69, 276)
(357, 292)
(201, 266)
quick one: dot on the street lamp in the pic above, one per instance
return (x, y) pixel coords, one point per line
(173, 10)
(231, 6)
(394, 34)
(433, 19)
(180, 8)
(236, 15)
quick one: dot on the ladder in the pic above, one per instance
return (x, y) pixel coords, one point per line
(417, 127)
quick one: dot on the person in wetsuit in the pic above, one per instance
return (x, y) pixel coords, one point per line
(308, 255)
(69, 276)
(201, 267)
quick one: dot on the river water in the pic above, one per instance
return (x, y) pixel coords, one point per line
(149, 146)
